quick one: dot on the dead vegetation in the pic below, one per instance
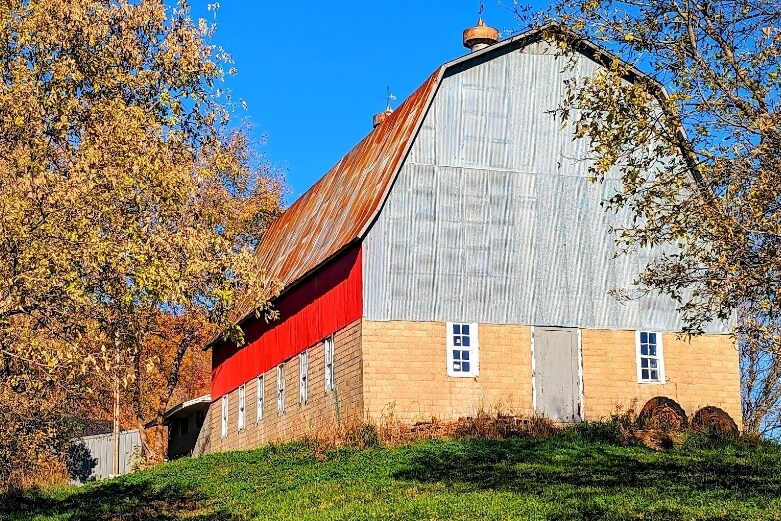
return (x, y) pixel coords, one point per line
(661, 424)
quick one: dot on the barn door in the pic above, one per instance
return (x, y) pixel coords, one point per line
(556, 375)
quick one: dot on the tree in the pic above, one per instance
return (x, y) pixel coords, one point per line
(711, 114)
(125, 199)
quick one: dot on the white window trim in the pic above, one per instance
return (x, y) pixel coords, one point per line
(659, 357)
(303, 377)
(224, 426)
(328, 356)
(474, 348)
(260, 397)
(281, 388)
(241, 419)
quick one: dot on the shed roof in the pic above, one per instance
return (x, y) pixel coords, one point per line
(339, 209)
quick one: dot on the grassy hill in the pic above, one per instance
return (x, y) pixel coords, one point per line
(564, 477)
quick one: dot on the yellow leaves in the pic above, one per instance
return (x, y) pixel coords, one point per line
(629, 37)
(113, 219)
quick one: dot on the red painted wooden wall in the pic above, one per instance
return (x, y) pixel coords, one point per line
(327, 301)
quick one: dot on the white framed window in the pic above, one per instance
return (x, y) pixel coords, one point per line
(281, 388)
(224, 428)
(463, 358)
(241, 419)
(328, 347)
(260, 395)
(303, 377)
(650, 357)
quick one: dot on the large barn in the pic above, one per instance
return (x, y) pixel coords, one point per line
(458, 260)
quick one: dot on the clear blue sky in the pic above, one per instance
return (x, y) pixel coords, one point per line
(313, 73)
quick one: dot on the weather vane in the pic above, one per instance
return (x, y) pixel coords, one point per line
(480, 11)
(388, 98)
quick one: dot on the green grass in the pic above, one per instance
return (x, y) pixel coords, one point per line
(565, 477)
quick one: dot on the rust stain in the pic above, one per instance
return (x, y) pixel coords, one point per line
(337, 210)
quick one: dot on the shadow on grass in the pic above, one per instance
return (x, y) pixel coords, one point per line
(575, 474)
(112, 501)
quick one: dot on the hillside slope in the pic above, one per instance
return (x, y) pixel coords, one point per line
(565, 477)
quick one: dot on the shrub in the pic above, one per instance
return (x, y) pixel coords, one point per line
(612, 432)
(714, 439)
(363, 436)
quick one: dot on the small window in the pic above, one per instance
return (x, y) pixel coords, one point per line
(261, 396)
(328, 345)
(200, 417)
(281, 387)
(303, 377)
(462, 353)
(224, 430)
(241, 421)
(650, 361)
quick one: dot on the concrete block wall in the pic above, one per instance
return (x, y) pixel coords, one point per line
(204, 440)
(405, 372)
(320, 411)
(703, 371)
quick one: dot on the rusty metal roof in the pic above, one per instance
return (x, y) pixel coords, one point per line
(337, 210)
(340, 207)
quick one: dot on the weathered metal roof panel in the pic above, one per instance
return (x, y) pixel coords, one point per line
(336, 210)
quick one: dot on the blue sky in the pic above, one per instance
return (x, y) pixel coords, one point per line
(313, 73)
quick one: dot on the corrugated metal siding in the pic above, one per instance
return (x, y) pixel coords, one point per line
(327, 302)
(492, 218)
(101, 449)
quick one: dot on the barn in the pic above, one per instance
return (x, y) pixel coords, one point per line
(458, 260)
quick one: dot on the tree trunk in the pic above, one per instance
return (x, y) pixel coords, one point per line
(153, 441)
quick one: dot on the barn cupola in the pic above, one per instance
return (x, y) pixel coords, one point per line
(480, 36)
(381, 116)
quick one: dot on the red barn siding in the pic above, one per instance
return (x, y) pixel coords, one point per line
(329, 300)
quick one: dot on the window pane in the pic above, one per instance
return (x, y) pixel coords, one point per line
(654, 374)
(456, 355)
(653, 363)
(465, 367)
(457, 341)
(465, 355)
(644, 338)
(644, 363)
(457, 366)
(644, 349)
(465, 341)
(644, 374)
(465, 329)
(652, 350)
(652, 337)
(456, 329)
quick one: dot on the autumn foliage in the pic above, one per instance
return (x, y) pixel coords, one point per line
(695, 147)
(130, 206)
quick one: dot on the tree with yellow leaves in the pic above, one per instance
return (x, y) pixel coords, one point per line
(711, 113)
(125, 197)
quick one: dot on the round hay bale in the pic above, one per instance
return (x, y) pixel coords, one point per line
(662, 413)
(714, 419)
